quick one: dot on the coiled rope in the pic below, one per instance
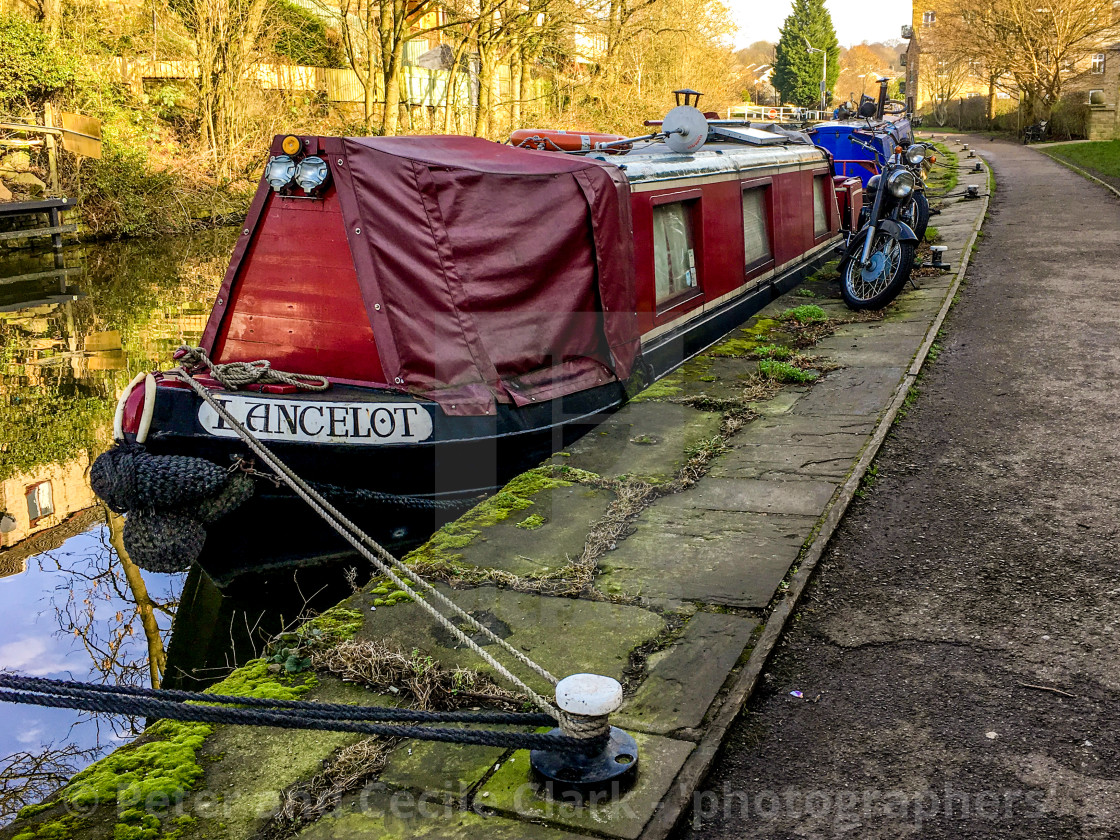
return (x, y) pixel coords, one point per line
(236, 375)
(148, 703)
(384, 561)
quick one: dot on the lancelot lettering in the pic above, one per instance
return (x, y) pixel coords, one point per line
(297, 420)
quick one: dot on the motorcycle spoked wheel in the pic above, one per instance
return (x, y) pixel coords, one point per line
(878, 283)
(916, 214)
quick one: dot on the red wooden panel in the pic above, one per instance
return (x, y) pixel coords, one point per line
(724, 254)
(296, 332)
(317, 361)
(296, 299)
(790, 222)
(642, 214)
(295, 303)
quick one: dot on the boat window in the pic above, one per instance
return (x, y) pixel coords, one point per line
(674, 250)
(820, 215)
(40, 501)
(756, 234)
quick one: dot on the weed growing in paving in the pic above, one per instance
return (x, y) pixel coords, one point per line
(932, 234)
(807, 313)
(779, 371)
(805, 293)
(868, 481)
(772, 351)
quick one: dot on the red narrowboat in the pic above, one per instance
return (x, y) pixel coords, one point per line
(474, 306)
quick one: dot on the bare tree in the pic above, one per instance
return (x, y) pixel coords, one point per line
(225, 34)
(1037, 42)
(30, 776)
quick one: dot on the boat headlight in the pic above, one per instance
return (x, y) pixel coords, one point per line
(279, 171)
(916, 154)
(901, 183)
(312, 173)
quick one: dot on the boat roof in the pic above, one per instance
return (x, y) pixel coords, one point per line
(655, 161)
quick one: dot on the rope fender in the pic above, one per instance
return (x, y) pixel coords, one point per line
(169, 500)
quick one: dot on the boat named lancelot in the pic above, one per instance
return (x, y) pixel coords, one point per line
(474, 306)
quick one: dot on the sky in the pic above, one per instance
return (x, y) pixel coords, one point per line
(855, 20)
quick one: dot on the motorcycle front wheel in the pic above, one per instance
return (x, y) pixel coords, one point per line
(916, 214)
(874, 285)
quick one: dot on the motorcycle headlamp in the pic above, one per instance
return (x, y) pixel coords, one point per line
(279, 171)
(312, 173)
(900, 183)
(916, 154)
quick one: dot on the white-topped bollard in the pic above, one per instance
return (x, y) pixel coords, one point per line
(609, 765)
(587, 701)
(972, 191)
(937, 255)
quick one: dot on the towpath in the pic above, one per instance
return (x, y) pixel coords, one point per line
(957, 656)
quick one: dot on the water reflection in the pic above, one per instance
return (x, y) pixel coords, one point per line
(72, 335)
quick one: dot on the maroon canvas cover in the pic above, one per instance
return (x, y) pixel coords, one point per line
(490, 273)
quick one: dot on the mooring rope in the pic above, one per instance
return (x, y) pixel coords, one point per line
(149, 707)
(325, 711)
(236, 375)
(380, 557)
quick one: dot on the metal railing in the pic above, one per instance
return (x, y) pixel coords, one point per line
(774, 113)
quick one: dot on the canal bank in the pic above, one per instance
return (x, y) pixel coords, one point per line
(665, 549)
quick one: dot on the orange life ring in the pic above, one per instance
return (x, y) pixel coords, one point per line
(772, 114)
(553, 140)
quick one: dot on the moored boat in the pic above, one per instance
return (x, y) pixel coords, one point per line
(470, 307)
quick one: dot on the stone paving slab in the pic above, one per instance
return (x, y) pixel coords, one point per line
(531, 623)
(681, 552)
(785, 462)
(685, 677)
(860, 391)
(750, 495)
(389, 815)
(565, 513)
(861, 350)
(649, 440)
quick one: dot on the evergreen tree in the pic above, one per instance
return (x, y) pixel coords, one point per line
(797, 72)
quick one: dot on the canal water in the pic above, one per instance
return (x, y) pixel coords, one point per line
(73, 332)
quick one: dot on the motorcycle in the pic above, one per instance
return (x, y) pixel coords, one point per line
(877, 258)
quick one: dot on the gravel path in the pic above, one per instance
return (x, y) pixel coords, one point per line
(957, 654)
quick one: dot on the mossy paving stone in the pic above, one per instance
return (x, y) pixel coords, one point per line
(510, 792)
(378, 814)
(564, 635)
(862, 392)
(566, 515)
(247, 767)
(685, 677)
(679, 553)
(646, 439)
(716, 377)
(443, 772)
